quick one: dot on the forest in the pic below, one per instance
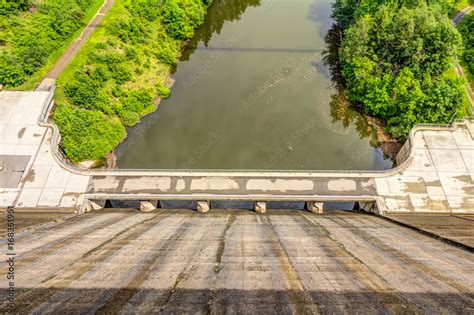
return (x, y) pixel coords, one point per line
(120, 74)
(396, 61)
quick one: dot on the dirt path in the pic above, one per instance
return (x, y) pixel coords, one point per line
(72, 50)
(457, 66)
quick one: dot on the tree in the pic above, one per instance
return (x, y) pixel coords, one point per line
(396, 59)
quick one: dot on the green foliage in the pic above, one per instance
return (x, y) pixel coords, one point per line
(119, 73)
(466, 28)
(162, 90)
(397, 59)
(87, 134)
(181, 17)
(27, 39)
(13, 6)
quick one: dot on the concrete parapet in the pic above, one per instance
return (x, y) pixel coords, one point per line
(203, 206)
(260, 206)
(147, 206)
(314, 206)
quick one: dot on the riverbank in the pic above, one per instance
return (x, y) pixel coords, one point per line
(32, 38)
(120, 74)
(405, 78)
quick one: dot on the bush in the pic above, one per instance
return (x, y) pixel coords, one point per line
(466, 28)
(162, 91)
(86, 134)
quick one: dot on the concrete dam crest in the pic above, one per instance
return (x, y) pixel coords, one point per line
(435, 173)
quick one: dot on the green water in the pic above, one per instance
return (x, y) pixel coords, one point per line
(251, 93)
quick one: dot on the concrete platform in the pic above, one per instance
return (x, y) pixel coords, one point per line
(181, 261)
(456, 227)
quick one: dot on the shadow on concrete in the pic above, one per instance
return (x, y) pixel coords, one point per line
(217, 301)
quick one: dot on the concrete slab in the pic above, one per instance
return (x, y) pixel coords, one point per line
(439, 140)
(58, 178)
(29, 197)
(448, 160)
(37, 176)
(33, 135)
(468, 157)
(7, 197)
(26, 149)
(11, 169)
(7, 149)
(463, 139)
(50, 197)
(457, 184)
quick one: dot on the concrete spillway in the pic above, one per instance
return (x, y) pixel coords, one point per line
(435, 173)
(179, 261)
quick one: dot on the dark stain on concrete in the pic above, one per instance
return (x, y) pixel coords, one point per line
(21, 132)
(30, 176)
(417, 188)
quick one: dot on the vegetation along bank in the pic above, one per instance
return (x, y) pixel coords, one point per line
(34, 33)
(119, 74)
(396, 61)
(466, 28)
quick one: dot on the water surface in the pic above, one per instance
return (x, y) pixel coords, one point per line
(251, 93)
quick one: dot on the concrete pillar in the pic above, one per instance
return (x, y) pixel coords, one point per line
(203, 206)
(367, 206)
(314, 206)
(93, 205)
(260, 206)
(147, 206)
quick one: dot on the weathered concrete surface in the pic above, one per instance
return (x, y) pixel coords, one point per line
(457, 228)
(439, 177)
(32, 219)
(238, 261)
(42, 182)
(436, 172)
(12, 168)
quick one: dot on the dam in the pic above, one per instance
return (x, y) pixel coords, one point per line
(434, 173)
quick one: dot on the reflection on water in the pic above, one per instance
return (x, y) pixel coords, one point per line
(252, 92)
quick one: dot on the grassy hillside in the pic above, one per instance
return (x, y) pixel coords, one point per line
(118, 76)
(34, 33)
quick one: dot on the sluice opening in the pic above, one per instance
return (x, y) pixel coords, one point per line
(222, 205)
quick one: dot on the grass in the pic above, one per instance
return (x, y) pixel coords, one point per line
(33, 80)
(158, 72)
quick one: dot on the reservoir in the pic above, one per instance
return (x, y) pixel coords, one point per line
(251, 92)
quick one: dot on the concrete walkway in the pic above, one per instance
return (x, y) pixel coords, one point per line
(436, 172)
